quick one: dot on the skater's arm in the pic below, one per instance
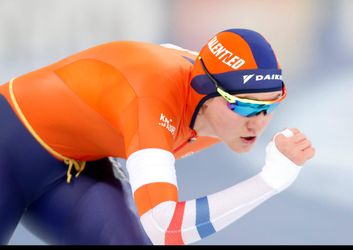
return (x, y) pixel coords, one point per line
(167, 220)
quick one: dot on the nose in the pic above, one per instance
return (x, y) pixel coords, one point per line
(256, 123)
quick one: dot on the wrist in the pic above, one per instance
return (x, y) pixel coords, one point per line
(279, 172)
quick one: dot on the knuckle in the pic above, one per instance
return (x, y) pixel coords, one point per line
(312, 152)
(297, 156)
(295, 130)
(309, 153)
(306, 144)
(302, 135)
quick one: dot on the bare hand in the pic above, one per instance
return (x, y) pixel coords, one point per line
(297, 148)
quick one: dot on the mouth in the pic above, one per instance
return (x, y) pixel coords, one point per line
(248, 139)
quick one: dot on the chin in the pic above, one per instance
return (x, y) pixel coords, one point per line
(238, 148)
(242, 150)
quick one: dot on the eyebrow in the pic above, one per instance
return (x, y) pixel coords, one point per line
(255, 99)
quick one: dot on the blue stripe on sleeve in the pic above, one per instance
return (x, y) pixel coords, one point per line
(203, 224)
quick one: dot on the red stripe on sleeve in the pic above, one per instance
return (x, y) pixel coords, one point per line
(173, 235)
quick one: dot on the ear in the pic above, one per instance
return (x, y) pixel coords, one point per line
(204, 106)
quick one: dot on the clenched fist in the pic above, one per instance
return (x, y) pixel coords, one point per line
(285, 153)
(297, 147)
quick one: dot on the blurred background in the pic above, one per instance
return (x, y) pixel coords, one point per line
(313, 40)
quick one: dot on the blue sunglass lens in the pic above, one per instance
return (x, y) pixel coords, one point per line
(271, 107)
(250, 109)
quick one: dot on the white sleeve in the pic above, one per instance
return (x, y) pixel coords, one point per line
(169, 221)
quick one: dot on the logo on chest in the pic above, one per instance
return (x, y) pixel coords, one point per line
(166, 123)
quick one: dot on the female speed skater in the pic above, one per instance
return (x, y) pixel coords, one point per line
(150, 105)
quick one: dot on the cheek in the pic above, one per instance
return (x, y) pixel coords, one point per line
(268, 118)
(228, 124)
(235, 121)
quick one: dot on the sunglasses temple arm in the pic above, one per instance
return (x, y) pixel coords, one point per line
(208, 74)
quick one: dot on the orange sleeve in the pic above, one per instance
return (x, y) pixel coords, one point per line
(193, 147)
